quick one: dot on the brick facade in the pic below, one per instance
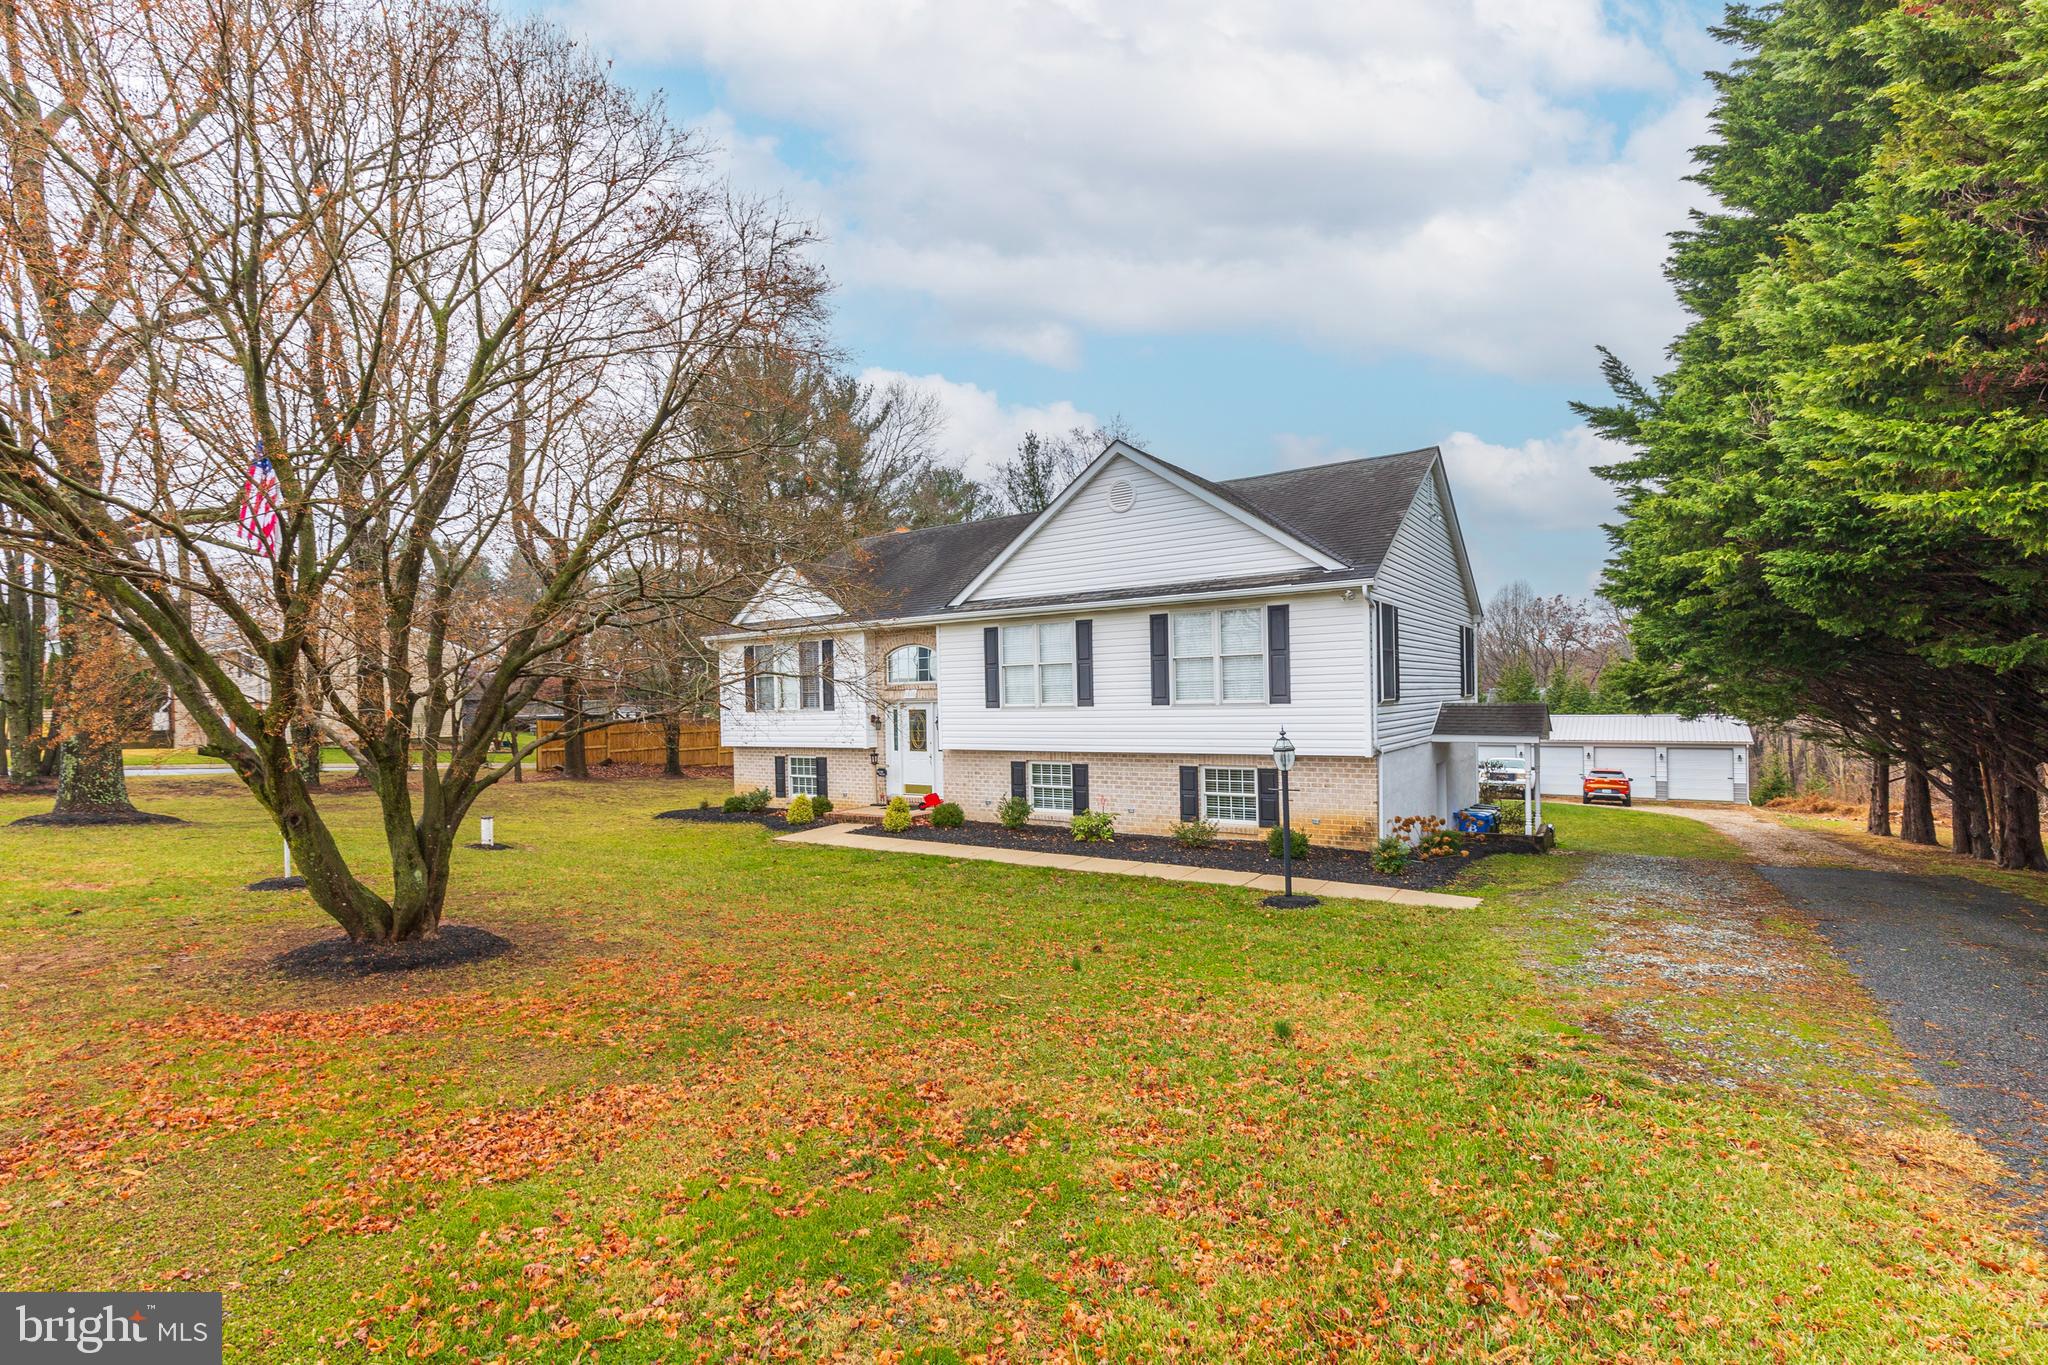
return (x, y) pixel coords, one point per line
(849, 773)
(1334, 800)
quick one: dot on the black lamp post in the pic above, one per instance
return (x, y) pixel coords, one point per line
(1283, 759)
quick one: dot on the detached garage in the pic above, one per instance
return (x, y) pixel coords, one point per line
(1667, 757)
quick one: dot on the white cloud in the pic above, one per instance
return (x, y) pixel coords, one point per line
(1541, 484)
(1371, 176)
(981, 429)
(1526, 508)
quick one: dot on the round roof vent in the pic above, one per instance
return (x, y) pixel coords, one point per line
(1121, 495)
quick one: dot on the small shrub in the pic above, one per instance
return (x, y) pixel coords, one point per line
(703, 803)
(1094, 826)
(1774, 783)
(1014, 811)
(896, 817)
(1299, 841)
(801, 811)
(735, 804)
(1427, 837)
(756, 800)
(1512, 815)
(1195, 834)
(1283, 1030)
(821, 806)
(948, 815)
(1390, 857)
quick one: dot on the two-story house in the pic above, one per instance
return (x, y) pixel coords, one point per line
(1137, 647)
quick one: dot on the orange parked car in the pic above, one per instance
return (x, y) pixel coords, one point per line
(1606, 784)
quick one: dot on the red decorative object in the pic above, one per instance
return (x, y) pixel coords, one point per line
(930, 799)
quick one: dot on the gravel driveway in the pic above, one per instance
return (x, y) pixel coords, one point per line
(1962, 970)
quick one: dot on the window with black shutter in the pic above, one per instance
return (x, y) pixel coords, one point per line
(1390, 652)
(1279, 662)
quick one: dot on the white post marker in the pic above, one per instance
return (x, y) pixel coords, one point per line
(287, 857)
(490, 827)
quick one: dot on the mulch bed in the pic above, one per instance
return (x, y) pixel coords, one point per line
(67, 819)
(714, 816)
(344, 959)
(293, 883)
(1235, 855)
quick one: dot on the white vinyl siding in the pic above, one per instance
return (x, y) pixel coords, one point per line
(1421, 577)
(803, 777)
(1038, 664)
(1168, 535)
(1330, 712)
(1219, 655)
(786, 597)
(1230, 795)
(1052, 786)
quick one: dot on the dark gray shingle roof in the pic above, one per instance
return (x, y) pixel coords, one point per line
(1502, 719)
(1349, 510)
(913, 573)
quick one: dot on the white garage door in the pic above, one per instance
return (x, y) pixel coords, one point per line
(1639, 764)
(1702, 774)
(1563, 766)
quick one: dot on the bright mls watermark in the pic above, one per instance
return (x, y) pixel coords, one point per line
(163, 1329)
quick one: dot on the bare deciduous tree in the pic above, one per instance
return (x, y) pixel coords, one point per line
(464, 292)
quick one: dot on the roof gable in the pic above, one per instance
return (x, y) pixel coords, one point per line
(1131, 520)
(1429, 526)
(787, 596)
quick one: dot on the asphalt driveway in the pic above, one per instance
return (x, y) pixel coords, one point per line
(1962, 970)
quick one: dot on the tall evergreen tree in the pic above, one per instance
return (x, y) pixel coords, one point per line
(1834, 501)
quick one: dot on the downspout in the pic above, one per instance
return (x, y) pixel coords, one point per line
(1372, 710)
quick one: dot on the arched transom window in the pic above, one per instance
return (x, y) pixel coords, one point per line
(910, 663)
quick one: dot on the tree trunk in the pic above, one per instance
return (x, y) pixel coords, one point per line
(574, 764)
(1916, 808)
(1879, 820)
(89, 776)
(306, 753)
(90, 780)
(21, 663)
(1972, 815)
(671, 747)
(2018, 842)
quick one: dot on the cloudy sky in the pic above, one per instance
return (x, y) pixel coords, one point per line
(1262, 234)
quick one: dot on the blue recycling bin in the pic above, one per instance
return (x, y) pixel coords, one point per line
(1477, 820)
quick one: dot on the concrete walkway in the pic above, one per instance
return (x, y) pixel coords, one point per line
(854, 836)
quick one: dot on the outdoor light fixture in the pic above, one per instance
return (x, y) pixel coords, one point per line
(1283, 759)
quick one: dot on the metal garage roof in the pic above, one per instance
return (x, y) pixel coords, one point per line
(1654, 729)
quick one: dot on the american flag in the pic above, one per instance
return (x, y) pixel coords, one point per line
(258, 516)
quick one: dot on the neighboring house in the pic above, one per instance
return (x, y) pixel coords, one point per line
(1135, 648)
(1667, 757)
(176, 720)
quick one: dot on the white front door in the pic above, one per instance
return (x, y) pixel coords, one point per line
(913, 749)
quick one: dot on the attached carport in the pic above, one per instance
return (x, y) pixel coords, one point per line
(1667, 757)
(1495, 728)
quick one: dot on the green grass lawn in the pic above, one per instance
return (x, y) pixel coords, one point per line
(144, 757)
(733, 1099)
(1613, 829)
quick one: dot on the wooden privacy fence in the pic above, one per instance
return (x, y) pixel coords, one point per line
(635, 741)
